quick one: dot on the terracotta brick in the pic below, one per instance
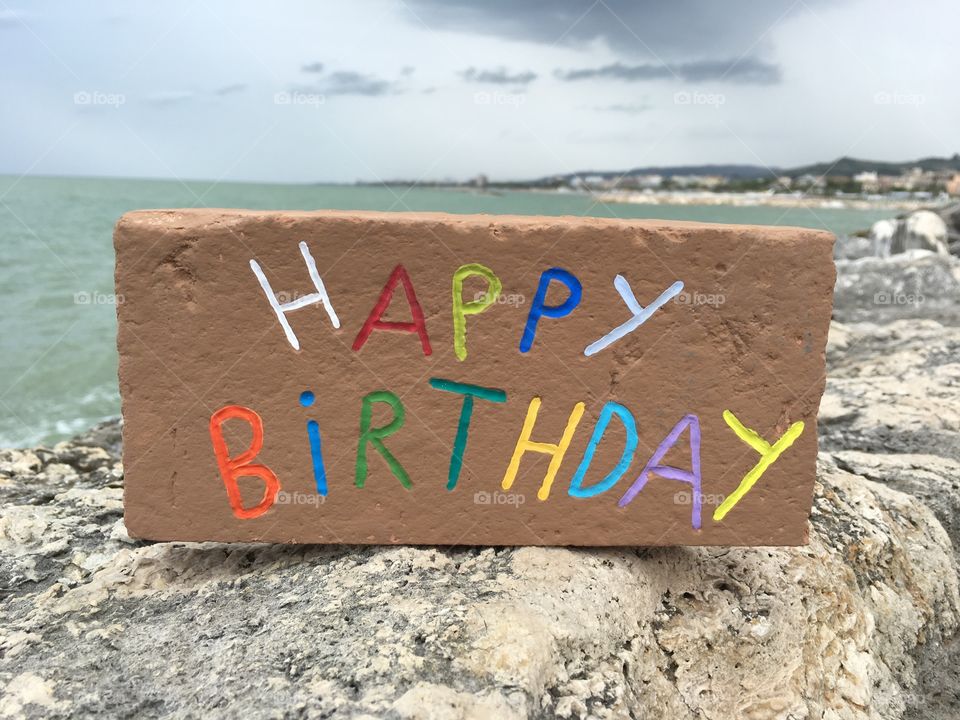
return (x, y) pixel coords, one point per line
(197, 333)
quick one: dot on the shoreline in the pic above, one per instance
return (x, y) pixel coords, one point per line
(763, 200)
(705, 198)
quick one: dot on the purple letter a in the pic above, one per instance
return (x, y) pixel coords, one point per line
(688, 476)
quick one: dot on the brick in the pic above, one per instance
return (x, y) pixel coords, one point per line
(710, 329)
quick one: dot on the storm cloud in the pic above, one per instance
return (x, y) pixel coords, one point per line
(347, 82)
(640, 28)
(230, 89)
(625, 108)
(498, 76)
(353, 83)
(747, 70)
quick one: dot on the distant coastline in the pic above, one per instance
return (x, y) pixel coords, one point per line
(845, 183)
(704, 197)
(763, 199)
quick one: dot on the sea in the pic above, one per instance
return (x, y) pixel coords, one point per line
(58, 358)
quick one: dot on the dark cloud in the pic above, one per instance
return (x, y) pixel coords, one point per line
(643, 28)
(169, 98)
(625, 108)
(349, 82)
(166, 98)
(230, 89)
(498, 76)
(353, 83)
(746, 70)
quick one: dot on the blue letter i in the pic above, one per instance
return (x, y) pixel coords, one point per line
(316, 452)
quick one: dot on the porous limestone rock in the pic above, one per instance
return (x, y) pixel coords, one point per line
(893, 388)
(916, 284)
(890, 413)
(851, 247)
(94, 624)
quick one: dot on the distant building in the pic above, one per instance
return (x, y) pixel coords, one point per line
(591, 182)
(709, 182)
(915, 179)
(952, 185)
(649, 181)
(811, 181)
(868, 180)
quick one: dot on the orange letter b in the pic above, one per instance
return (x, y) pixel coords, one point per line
(240, 466)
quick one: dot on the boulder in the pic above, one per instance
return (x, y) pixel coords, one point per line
(920, 230)
(891, 411)
(914, 284)
(951, 216)
(851, 247)
(890, 414)
(94, 624)
(881, 235)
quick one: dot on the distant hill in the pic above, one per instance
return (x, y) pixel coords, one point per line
(738, 172)
(848, 167)
(845, 166)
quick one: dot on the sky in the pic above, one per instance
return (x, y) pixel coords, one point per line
(373, 90)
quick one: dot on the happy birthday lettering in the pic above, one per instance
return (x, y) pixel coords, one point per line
(372, 441)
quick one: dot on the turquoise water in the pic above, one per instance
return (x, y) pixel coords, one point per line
(58, 358)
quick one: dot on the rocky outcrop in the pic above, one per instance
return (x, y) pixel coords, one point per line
(917, 284)
(936, 230)
(893, 388)
(920, 230)
(951, 216)
(94, 624)
(852, 247)
(861, 623)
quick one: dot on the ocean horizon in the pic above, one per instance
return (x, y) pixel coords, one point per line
(59, 358)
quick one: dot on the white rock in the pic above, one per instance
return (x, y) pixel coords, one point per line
(881, 234)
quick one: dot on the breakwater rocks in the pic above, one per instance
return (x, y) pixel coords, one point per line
(936, 230)
(858, 624)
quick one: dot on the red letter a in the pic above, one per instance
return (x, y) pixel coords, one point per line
(418, 325)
